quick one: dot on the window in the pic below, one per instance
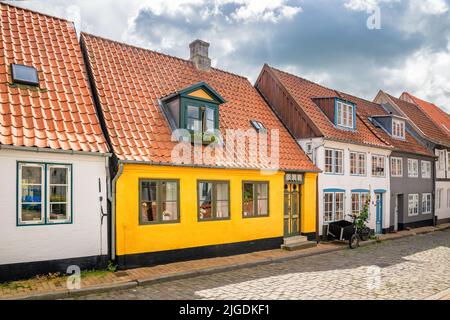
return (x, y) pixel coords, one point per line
(359, 200)
(396, 167)
(441, 160)
(426, 169)
(448, 161)
(333, 206)
(413, 168)
(255, 199)
(398, 128)
(258, 126)
(44, 194)
(159, 201)
(344, 114)
(214, 200)
(334, 161)
(24, 75)
(448, 198)
(357, 163)
(413, 204)
(426, 203)
(439, 198)
(378, 166)
(200, 119)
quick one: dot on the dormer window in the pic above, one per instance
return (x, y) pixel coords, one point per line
(196, 109)
(345, 114)
(398, 128)
(258, 126)
(22, 74)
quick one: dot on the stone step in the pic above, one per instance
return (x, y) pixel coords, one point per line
(298, 246)
(296, 239)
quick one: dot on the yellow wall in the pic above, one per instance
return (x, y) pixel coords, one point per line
(309, 203)
(134, 238)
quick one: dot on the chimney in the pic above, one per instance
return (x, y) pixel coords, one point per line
(199, 55)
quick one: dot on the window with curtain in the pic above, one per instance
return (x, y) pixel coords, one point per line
(214, 201)
(159, 201)
(255, 199)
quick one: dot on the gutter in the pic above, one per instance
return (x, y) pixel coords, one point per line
(434, 192)
(59, 151)
(211, 167)
(317, 211)
(113, 212)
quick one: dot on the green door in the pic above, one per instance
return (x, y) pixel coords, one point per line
(292, 210)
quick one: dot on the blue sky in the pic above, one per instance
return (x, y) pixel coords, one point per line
(326, 41)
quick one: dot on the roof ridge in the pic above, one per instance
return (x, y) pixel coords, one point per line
(157, 52)
(2, 2)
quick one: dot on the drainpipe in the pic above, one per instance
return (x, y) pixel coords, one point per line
(317, 210)
(434, 193)
(113, 212)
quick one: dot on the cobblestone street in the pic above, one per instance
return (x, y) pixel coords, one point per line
(409, 268)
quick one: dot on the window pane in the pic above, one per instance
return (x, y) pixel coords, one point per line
(362, 164)
(58, 211)
(149, 205)
(193, 118)
(31, 175)
(328, 207)
(31, 212)
(222, 202)
(353, 163)
(58, 175)
(339, 204)
(355, 203)
(31, 193)
(169, 197)
(248, 199)
(338, 162)
(328, 161)
(205, 195)
(24, 74)
(262, 205)
(58, 194)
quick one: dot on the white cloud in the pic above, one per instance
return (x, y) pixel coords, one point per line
(365, 5)
(431, 7)
(424, 74)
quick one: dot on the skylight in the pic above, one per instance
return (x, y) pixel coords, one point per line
(258, 125)
(24, 74)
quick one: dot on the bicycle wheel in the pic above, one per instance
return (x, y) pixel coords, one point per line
(354, 241)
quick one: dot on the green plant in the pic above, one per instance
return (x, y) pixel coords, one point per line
(363, 216)
(112, 267)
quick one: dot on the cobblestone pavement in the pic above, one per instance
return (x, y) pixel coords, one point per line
(409, 268)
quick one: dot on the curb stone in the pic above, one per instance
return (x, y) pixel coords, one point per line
(190, 274)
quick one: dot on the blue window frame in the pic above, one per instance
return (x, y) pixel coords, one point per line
(24, 74)
(44, 193)
(344, 114)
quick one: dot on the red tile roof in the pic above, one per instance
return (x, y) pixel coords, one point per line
(60, 114)
(129, 82)
(436, 114)
(303, 91)
(366, 109)
(422, 121)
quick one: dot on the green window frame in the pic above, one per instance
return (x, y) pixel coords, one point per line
(217, 200)
(51, 193)
(252, 207)
(156, 201)
(207, 115)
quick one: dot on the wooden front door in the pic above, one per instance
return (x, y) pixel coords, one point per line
(292, 211)
(379, 210)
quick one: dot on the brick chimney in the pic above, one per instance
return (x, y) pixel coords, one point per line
(199, 55)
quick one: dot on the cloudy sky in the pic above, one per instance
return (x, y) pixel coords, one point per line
(327, 41)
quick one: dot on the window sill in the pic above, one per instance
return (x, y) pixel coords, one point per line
(214, 219)
(252, 217)
(158, 223)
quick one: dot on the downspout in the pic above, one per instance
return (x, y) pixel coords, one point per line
(113, 212)
(317, 210)
(434, 193)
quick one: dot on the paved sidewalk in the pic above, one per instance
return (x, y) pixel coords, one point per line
(98, 281)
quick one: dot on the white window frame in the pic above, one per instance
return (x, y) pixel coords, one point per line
(68, 203)
(377, 161)
(411, 172)
(441, 160)
(398, 128)
(426, 203)
(426, 174)
(360, 202)
(344, 115)
(20, 222)
(334, 165)
(333, 213)
(399, 166)
(413, 204)
(360, 170)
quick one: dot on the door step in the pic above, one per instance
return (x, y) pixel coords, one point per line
(297, 243)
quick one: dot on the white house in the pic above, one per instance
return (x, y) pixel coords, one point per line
(53, 155)
(345, 146)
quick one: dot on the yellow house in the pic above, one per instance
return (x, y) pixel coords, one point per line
(202, 165)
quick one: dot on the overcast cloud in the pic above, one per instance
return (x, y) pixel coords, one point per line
(323, 40)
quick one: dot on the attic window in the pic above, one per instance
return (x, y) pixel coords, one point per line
(258, 126)
(24, 75)
(398, 128)
(345, 114)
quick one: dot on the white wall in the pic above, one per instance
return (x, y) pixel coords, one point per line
(444, 211)
(84, 237)
(349, 182)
